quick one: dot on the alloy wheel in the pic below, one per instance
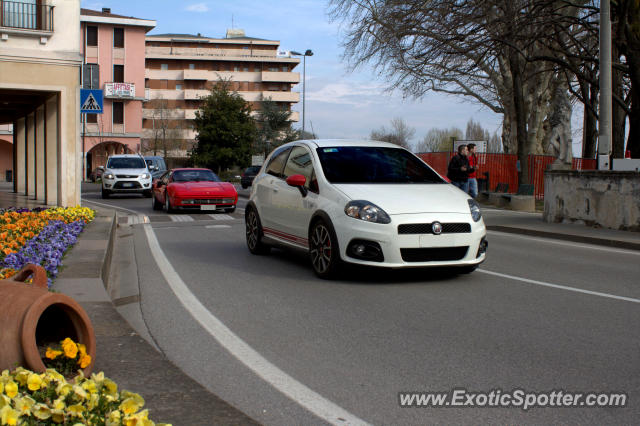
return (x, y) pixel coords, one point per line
(253, 231)
(321, 248)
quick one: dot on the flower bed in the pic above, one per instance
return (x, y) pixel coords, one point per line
(39, 236)
(49, 399)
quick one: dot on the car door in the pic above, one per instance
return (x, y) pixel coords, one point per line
(294, 209)
(268, 185)
(162, 188)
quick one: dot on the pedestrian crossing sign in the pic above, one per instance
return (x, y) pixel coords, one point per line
(91, 101)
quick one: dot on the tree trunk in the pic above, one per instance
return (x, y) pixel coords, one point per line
(590, 126)
(633, 59)
(521, 119)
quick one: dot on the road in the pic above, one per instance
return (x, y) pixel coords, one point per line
(539, 314)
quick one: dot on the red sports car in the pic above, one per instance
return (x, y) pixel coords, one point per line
(193, 189)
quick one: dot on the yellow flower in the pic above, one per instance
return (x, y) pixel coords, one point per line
(22, 375)
(90, 386)
(80, 392)
(57, 416)
(41, 411)
(34, 382)
(98, 377)
(52, 354)
(131, 405)
(11, 389)
(59, 404)
(9, 416)
(76, 410)
(63, 389)
(24, 405)
(70, 348)
(54, 375)
(82, 349)
(84, 361)
(110, 387)
(113, 419)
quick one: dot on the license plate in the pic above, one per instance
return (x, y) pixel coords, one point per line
(127, 185)
(211, 207)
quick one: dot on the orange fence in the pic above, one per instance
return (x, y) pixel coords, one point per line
(503, 168)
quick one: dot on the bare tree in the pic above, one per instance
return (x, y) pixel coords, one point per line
(400, 133)
(167, 128)
(439, 140)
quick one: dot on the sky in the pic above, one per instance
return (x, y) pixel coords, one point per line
(338, 103)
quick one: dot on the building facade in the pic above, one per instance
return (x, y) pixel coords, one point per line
(113, 61)
(39, 94)
(180, 69)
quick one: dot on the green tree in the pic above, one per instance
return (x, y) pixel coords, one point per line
(274, 127)
(225, 129)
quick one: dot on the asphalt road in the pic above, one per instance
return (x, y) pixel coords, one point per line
(358, 341)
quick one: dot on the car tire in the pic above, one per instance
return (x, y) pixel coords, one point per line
(254, 234)
(147, 193)
(105, 193)
(324, 253)
(167, 204)
(155, 203)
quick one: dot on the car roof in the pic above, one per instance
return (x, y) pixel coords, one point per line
(190, 168)
(125, 156)
(325, 143)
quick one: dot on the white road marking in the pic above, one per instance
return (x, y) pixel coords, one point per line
(111, 206)
(180, 218)
(561, 287)
(290, 387)
(551, 240)
(221, 217)
(135, 220)
(217, 226)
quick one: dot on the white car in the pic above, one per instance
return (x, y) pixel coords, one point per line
(126, 173)
(362, 202)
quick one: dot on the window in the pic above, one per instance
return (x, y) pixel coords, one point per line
(285, 69)
(300, 163)
(178, 86)
(164, 67)
(192, 66)
(246, 69)
(118, 113)
(118, 37)
(92, 35)
(118, 73)
(276, 164)
(90, 76)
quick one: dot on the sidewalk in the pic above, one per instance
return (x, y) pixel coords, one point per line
(135, 365)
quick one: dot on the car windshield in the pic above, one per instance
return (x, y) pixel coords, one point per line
(195, 176)
(368, 164)
(126, 163)
(253, 169)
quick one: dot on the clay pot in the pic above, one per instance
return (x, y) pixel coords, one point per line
(30, 315)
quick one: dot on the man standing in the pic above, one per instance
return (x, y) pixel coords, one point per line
(458, 170)
(473, 166)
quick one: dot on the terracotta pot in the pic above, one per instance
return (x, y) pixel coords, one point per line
(30, 315)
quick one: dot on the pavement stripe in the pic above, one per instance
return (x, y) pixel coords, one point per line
(180, 218)
(221, 217)
(290, 387)
(561, 287)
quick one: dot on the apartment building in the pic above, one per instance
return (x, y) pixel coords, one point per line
(113, 61)
(39, 67)
(182, 68)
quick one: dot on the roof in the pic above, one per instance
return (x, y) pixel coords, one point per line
(204, 38)
(90, 12)
(95, 16)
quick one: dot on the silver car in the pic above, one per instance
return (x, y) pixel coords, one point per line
(126, 173)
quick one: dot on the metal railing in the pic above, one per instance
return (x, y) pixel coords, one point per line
(29, 16)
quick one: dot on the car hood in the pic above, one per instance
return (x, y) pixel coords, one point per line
(213, 188)
(409, 198)
(127, 171)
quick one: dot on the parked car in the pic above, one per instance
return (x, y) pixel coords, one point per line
(156, 165)
(362, 202)
(248, 175)
(126, 173)
(193, 189)
(96, 173)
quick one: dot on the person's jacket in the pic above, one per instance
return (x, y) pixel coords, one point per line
(473, 163)
(455, 172)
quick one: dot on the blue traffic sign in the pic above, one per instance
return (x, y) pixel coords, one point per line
(91, 101)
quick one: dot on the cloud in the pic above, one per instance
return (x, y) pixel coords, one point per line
(197, 7)
(350, 93)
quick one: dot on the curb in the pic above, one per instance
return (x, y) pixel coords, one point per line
(566, 237)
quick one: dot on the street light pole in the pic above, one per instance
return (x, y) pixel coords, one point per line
(304, 55)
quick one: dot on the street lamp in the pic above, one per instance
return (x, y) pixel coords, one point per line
(304, 55)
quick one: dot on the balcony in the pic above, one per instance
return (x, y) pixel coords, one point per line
(195, 94)
(26, 16)
(119, 90)
(281, 96)
(280, 77)
(197, 75)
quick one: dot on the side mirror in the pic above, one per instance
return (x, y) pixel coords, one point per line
(298, 181)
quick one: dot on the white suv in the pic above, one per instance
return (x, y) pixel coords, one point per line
(126, 173)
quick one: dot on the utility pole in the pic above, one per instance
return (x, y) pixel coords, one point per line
(604, 123)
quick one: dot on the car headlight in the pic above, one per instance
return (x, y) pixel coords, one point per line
(145, 176)
(475, 210)
(109, 176)
(364, 210)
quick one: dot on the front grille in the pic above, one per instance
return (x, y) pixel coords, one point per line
(433, 254)
(210, 201)
(131, 184)
(127, 176)
(425, 228)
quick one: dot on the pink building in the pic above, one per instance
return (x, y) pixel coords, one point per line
(113, 48)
